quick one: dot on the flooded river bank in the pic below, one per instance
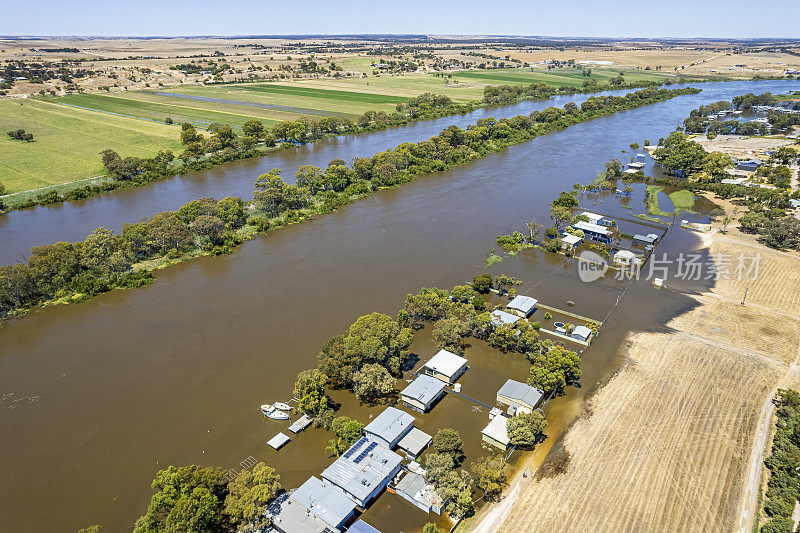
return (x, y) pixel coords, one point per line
(114, 389)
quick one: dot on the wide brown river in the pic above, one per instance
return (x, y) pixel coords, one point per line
(96, 397)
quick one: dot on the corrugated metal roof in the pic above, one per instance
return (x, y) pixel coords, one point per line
(360, 526)
(588, 226)
(360, 470)
(278, 440)
(390, 424)
(523, 303)
(521, 392)
(415, 441)
(446, 363)
(424, 389)
(325, 500)
(501, 317)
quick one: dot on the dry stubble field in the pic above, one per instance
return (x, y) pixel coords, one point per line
(666, 444)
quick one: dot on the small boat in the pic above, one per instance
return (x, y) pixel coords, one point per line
(273, 413)
(282, 406)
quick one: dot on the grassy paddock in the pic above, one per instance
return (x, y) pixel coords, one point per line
(68, 142)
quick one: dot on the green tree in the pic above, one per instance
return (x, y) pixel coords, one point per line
(482, 283)
(526, 430)
(253, 128)
(335, 447)
(309, 389)
(555, 369)
(448, 441)
(348, 429)
(372, 382)
(430, 528)
(490, 476)
(447, 333)
(249, 493)
(188, 498)
(560, 215)
(679, 154)
(91, 529)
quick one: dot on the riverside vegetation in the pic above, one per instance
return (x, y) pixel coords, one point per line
(69, 272)
(224, 144)
(377, 345)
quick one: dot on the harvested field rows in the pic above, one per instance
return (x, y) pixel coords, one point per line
(777, 286)
(665, 448)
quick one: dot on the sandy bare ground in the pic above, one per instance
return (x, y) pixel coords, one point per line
(741, 146)
(675, 441)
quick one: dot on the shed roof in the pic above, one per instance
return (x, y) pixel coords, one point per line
(645, 238)
(415, 441)
(424, 389)
(593, 217)
(359, 526)
(568, 238)
(364, 466)
(278, 440)
(497, 430)
(501, 317)
(390, 424)
(446, 363)
(592, 228)
(624, 255)
(526, 304)
(521, 392)
(582, 331)
(289, 516)
(324, 500)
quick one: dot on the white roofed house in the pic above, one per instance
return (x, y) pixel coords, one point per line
(523, 305)
(500, 318)
(422, 393)
(570, 242)
(593, 218)
(581, 333)
(593, 231)
(624, 258)
(364, 470)
(446, 366)
(496, 432)
(389, 427)
(326, 501)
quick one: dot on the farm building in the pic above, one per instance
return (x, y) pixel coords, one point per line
(522, 397)
(414, 489)
(422, 393)
(389, 427)
(569, 241)
(496, 432)
(581, 333)
(446, 366)
(500, 318)
(325, 501)
(364, 470)
(593, 231)
(524, 305)
(414, 443)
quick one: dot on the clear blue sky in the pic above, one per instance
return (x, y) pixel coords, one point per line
(613, 18)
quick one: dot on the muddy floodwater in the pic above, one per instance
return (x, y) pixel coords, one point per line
(96, 397)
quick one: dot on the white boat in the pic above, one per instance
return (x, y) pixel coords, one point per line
(282, 406)
(273, 413)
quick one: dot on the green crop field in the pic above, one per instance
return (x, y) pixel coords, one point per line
(554, 77)
(159, 108)
(68, 142)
